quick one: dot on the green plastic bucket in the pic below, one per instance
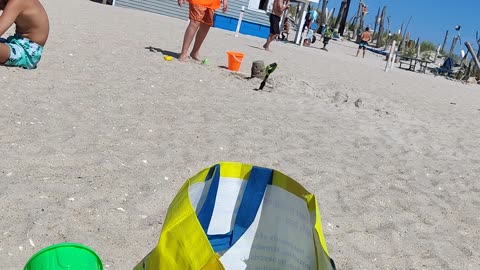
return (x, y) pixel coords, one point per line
(65, 256)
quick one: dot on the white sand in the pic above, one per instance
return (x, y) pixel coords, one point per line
(104, 124)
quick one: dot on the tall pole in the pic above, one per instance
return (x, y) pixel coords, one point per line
(323, 16)
(382, 22)
(454, 43)
(340, 15)
(444, 41)
(330, 15)
(472, 52)
(376, 21)
(401, 46)
(362, 19)
(343, 22)
(357, 20)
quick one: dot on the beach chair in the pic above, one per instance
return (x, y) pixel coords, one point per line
(445, 69)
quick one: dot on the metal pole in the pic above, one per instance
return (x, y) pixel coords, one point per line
(240, 18)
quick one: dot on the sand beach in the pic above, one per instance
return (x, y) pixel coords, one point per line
(97, 140)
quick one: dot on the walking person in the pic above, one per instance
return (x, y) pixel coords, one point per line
(275, 17)
(364, 39)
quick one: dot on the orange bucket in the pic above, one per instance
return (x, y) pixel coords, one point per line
(234, 60)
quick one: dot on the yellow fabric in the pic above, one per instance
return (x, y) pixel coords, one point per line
(183, 243)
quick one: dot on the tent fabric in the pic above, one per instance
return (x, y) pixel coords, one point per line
(239, 216)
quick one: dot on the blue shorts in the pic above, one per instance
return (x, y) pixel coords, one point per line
(363, 45)
(23, 52)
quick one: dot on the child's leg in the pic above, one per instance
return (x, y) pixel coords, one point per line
(4, 53)
(188, 37)
(199, 38)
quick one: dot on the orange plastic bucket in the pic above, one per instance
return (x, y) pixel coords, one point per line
(234, 60)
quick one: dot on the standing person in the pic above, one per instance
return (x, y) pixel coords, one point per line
(23, 49)
(201, 19)
(278, 8)
(364, 39)
(310, 18)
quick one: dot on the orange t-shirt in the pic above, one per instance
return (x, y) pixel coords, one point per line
(213, 4)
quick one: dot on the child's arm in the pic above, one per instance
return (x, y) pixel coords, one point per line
(10, 14)
(225, 6)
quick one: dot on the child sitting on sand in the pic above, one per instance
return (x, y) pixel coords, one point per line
(25, 47)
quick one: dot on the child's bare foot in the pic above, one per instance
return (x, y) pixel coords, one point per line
(266, 48)
(182, 58)
(195, 56)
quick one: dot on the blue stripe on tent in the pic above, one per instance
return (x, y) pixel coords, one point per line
(253, 194)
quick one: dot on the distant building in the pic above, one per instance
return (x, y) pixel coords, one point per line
(255, 19)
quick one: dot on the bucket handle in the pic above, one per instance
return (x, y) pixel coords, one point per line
(236, 59)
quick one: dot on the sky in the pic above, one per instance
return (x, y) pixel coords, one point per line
(430, 18)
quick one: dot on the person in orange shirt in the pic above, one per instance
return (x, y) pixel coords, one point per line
(364, 39)
(201, 19)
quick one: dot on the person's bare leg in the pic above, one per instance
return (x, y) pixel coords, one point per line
(358, 51)
(4, 53)
(187, 38)
(199, 38)
(270, 38)
(364, 53)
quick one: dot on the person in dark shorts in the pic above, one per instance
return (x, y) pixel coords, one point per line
(274, 24)
(364, 39)
(278, 8)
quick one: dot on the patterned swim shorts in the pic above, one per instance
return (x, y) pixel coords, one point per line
(23, 52)
(201, 14)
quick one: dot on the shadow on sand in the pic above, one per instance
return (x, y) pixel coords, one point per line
(164, 52)
(109, 2)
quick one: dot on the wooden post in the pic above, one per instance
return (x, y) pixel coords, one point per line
(436, 53)
(381, 28)
(418, 47)
(357, 20)
(299, 35)
(444, 42)
(329, 16)
(402, 46)
(323, 16)
(343, 22)
(454, 42)
(474, 56)
(341, 12)
(362, 20)
(390, 57)
(377, 18)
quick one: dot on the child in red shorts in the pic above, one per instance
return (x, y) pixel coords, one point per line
(201, 19)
